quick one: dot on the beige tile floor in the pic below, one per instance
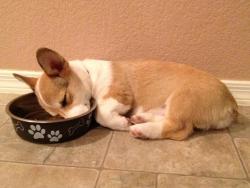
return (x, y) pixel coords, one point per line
(110, 159)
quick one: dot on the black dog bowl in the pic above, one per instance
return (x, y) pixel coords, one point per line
(33, 124)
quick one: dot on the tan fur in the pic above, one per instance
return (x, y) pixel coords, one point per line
(51, 89)
(122, 91)
(30, 81)
(176, 130)
(193, 98)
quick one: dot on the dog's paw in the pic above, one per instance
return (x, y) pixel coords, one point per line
(123, 124)
(136, 119)
(137, 132)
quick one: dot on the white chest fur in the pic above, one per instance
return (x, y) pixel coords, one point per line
(109, 110)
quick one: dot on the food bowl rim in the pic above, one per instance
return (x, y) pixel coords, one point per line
(93, 107)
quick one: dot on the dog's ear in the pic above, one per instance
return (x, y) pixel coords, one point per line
(51, 62)
(30, 81)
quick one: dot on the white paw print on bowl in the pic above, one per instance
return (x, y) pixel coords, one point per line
(54, 136)
(36, 131)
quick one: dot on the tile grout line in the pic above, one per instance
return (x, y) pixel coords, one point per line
(171, 173)
(97, 178)
(238, 154)
(121, 170)
(4, 122)
(107, 150)
(47, 165)
(104, 158)
(46, 158)
(21, 162)
(156, 182)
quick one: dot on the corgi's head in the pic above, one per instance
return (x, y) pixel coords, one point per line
(60, 90)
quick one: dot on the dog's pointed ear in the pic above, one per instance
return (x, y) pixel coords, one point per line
(51, 62)
(30, 81)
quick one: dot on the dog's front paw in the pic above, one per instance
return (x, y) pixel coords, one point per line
(124, 124)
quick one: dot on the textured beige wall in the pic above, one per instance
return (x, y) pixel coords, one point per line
(210, 34)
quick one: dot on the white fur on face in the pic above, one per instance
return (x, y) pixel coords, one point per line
(81, 95)
(75, 110)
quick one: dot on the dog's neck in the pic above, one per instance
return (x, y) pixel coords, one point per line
(95, 74)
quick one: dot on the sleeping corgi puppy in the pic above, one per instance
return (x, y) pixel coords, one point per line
(150, 99)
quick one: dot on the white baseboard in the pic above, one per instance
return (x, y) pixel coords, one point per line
(8, 84)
